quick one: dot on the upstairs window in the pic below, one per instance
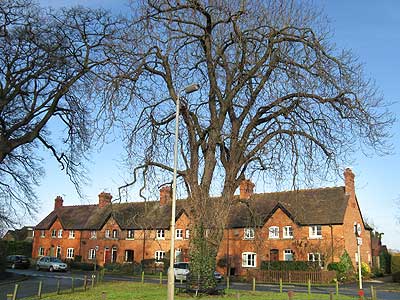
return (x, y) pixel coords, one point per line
(187, 234)
(115, 234)
(160, 234)
(274, 232)
(93, 234)
(179, 234)
(315, 231)
(249, 259)
(288, 232)
(54, 233)
(72, 234)
(60, 233)
(42, 233)
(249, 233)
(107, 234)
(130, 234)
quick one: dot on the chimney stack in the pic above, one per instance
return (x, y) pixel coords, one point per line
(165, 195)
(104, 199)
(349, 182)
(58, 202)
(246, 189)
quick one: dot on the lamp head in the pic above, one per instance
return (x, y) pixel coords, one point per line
(192, 88)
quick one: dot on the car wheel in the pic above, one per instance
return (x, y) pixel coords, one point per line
(51, 269)
(37, 268)
(13, 266)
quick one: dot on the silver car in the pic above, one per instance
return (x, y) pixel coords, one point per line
(181, 270)
(51, 263)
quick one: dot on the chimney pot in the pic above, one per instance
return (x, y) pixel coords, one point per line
(246, 189)
(165, 195)
(104, 199)
(58, 202)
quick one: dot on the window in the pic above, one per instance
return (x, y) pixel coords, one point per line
(72, 234)
(115, 234)
(58, 252)
(249, 233)
(315, 257)
(288, 255)
(60, 233)
(92, 253)
(178, 254)
(41, 251)
(179, 234)
(159, 255)
(130, 234)
(249, 260)
(93, 234)
(315, 231)
(187, 234)
(288, 232)
(107, 234)
(129, 256)
(54, 233)
(70, 253)
(160, 234)
(274, 232)
(42, 233)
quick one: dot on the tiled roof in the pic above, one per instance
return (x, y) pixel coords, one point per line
(305, 207)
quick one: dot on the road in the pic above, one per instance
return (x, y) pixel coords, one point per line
(29, 287)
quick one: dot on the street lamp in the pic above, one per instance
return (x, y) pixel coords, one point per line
(171, 280)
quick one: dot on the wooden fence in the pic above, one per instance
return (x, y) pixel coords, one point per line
(274, 276)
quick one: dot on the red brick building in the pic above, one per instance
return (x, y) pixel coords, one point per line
(313, 224)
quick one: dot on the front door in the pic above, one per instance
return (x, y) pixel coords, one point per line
(107, 255)
(274, 255)
(114, 255)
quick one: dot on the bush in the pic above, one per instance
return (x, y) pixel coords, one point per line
(377, 272)
(395, 263)
(17, 247)
(3, 255)
(126, 268)
(82, 265)
(344, 269)
(222, 262)
(396, 277)
(290, 265)
(365, 270)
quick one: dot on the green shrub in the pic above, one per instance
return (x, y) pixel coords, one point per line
(126, 268)
(344, 268)
(17, 247)
(365, 270)
(290, 265)
(82, 265)
(222, 262)
(395, 263)
(377, 272)
(386, 261)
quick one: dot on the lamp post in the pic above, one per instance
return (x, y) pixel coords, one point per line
(171, 280)
(357, 231)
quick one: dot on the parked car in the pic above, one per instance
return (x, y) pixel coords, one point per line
(18, 261)
(51, 263)
(181, 271)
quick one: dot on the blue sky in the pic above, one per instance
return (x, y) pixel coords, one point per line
(371, 30)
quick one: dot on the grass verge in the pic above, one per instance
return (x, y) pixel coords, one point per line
(138, 291)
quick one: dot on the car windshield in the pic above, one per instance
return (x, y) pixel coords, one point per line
(55, 259)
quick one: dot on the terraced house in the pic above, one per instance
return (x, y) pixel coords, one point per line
(313, 225)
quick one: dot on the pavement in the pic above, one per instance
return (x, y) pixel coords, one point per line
(29, 281)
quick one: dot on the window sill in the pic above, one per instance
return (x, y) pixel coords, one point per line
(71, 238)
(248, 239)
(273, 238)
(130, 239)
(178, 238)
(315, 237)
(249, 267)
(159, 239)
(288, 238)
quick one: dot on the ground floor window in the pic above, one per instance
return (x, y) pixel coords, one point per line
(70, 253)
(129, 256)
(41, 251)
(249, 259)
(92, 253)
(159, 255)
(315, 257)
(288, 255)
(58, 251)
(114, 255)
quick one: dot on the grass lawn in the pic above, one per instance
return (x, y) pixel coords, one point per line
(138, 291)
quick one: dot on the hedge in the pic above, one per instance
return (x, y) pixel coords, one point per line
(16, 247)
(395, 264)
(290, 265)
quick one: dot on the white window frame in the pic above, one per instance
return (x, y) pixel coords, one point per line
(273, 232)
(130, 234)
(60, 232)
(288, 232)
(249, 233)
(92, 253)
(187, 234)
(126, 256)
(71, 234)
(93, 234)
(249, 260)
(41, 251)
(107, 234)
(115, 234)
(70, 253)
(42, 233)
(179, 234)
(159, 255)
(288, 251)
(160, 234)
(313, 232)
(314, 256)
(53, 233)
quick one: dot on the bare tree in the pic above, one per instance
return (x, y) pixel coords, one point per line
(48, 59)
(276, 98)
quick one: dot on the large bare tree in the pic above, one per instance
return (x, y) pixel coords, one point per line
(276, 98)
(48, 59)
